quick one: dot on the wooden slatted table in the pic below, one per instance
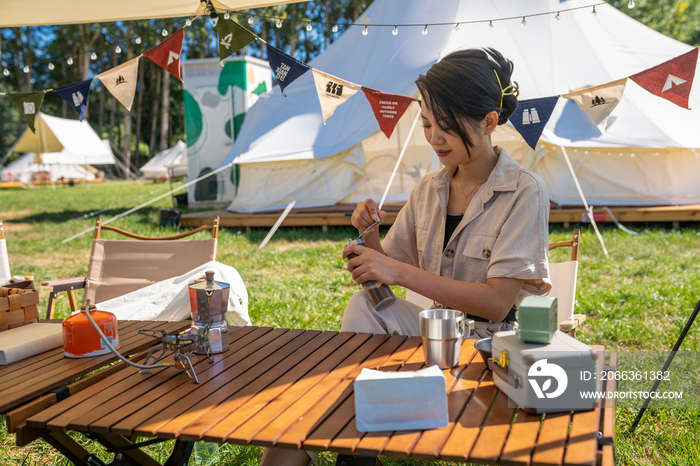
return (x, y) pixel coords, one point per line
(294, 389)
(30, 385)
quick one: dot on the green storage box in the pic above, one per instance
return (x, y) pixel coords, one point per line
(537, 319)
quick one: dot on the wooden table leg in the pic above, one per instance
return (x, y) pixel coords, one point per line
(181, 453)
(71, 449)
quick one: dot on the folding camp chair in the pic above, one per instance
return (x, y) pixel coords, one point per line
(563, 276)
(5, 276)
(118, 267)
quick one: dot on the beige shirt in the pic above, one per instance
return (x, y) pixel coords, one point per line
(504, 232)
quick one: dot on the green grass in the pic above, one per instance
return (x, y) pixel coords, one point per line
(638, 298)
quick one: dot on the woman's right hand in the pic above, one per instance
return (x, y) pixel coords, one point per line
(365, 214)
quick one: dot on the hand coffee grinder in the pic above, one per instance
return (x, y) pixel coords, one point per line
(208, 303)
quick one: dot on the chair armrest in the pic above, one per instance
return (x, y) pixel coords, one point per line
(57, 286)
(66, 284)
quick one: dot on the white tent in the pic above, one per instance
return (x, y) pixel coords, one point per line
(170, 162)
(63, 141)
(647, 155)
(24, 170)
(59, 149)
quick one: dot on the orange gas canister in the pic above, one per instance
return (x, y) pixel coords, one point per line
(80, 339)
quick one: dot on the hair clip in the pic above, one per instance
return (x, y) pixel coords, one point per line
(511, 89)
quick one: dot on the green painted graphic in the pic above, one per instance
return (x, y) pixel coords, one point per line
(233, 74)
(193, 119)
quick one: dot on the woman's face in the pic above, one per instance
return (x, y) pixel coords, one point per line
(448, 146)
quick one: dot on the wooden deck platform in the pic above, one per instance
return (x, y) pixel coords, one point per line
(339, 215)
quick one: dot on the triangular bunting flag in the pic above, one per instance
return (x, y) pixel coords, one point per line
(332, 92)
(121, 81)
(598, 102)
(232, 37)
(671, 80)
(76, 95)
(531, 116)
(167, 54)
(387, 108)
(29, 105)
(285, 68)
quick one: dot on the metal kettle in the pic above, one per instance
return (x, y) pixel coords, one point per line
(208, 305)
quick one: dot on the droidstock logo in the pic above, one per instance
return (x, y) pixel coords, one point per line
(543, 370)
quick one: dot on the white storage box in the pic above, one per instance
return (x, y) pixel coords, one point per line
(400, 400)
(546, 378)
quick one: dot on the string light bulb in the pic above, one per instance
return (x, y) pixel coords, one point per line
(188, 22)
(164, 32)
(557, 17)
(51, 66)
(251, 20)
(6, 72)
(70, 60)
(278, 23)
(425, 30)
(137, 40)
(491, 24)
(334, 28)
(26, 69)
(118, 49)
(93, 56)
(213, 19)
(227, 15)
(395, 31)
(309, 28)
(365, 31)
(456, 28)
(523, 22)
(594, 13)
(630, 5)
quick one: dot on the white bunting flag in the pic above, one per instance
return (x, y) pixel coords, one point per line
(598, 102)
(121, 81)
(332, 92)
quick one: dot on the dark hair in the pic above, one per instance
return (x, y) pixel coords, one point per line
(463, 86)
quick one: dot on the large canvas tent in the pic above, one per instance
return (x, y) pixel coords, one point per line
(62, 148)
(63, 141)
(647, 156)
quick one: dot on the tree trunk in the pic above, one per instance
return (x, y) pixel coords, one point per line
(293, 35)
(127, 113)
(139, 101)
(327, 20)
(154, 116)
(263, 36)
(64, 104)
(113, 108)
(119, 126)
(164, 112)
(100, 117)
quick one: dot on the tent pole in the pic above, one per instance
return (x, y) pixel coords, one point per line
(398, 161)
(288, 208)
(588, 208)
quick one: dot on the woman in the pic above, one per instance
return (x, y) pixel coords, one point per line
(473, 235)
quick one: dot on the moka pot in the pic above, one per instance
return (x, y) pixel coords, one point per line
(208, 304)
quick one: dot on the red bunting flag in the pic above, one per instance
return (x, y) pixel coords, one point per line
(671, 80)
(387, 108)
(167, 54)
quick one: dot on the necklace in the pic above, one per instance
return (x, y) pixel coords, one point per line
(466, 196)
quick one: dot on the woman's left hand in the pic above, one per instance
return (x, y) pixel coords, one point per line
(369, 264)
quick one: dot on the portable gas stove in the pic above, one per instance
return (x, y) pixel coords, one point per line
(183, 346)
